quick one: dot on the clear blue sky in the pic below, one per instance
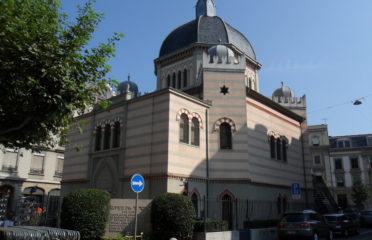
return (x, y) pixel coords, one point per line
(321, 48)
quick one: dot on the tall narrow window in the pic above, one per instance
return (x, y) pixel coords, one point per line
(59, 167)
(179, 80)
(272, 147)
(116, 137)
(195, 132)
(174, 81)
(168, 81)
(194, 200)
(10, 160)
(354, 163)
(227, 210)
(107, 140)
(184, 128)
(37, 163)
(338, 163)
(185, 78)
(284, 149)
(279, 149)
(98, 138)
(225, 136)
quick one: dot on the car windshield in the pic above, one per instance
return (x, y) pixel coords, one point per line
(367, 213)
(295, 217)
(331, 218)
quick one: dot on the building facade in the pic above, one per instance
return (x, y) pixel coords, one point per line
(342, 161)
(29, 177)
(206, 132)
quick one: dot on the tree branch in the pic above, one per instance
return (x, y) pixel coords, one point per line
(24, 123)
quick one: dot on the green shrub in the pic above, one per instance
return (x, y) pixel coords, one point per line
(172, 216)
(211, 225)
(86, 210)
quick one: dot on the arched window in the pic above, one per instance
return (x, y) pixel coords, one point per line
(284, 200)
(284, 149)
(116, 137)
(179, 79)
(194, 200)
(107, 136)
(195, 132)
(227, 209)
(185, 78)
(168, 81)
(278, 149)
(174, 80)
(98, 138)
(225, 136)
(279, 204)
(184, 128)
(272, 147)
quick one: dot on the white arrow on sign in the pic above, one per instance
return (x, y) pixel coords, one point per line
(139, 183)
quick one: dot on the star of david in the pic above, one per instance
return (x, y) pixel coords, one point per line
(224, 90)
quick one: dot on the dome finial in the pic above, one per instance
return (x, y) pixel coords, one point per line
(282, 83)
(128, 78)
(205, 8)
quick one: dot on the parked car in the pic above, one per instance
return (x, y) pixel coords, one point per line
(342, 224)
(304, 224)
(366, 218)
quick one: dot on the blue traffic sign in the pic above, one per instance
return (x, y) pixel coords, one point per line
(296, 189)
(137, 183)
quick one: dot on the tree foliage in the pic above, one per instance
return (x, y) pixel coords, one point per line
(359, 194)
(47, 71)
(172, 215)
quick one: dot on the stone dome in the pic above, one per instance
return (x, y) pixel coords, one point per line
(122, 88)
(206, 30)
(221, 52)
(283, 91)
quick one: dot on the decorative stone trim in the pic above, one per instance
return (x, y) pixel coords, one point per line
(224, 120)
(197, 116)
(190, 116)
(111, 122)
(226, 192)
(196, 192)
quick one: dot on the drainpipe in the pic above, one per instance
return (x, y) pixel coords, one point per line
(304, 166)
(207, 163)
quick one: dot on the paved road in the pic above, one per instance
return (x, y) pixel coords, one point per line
(365, 234)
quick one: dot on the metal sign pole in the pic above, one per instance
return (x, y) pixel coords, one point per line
(135, 221)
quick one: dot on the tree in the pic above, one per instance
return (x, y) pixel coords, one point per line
(47, 71)
(359, 194)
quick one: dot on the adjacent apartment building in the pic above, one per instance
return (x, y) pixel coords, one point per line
(341, 160)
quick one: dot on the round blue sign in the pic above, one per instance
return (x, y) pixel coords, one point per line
(137, 183)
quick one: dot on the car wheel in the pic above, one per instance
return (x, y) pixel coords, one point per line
(315, 236)
(330, 235)
(346, 233)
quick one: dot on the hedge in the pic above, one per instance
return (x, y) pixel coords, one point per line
(172, 216)
(86, 210)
